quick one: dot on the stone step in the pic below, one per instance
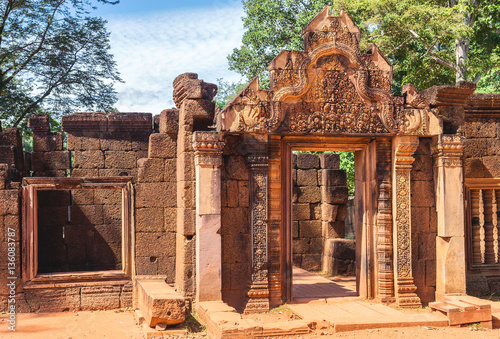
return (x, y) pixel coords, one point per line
(158, 302)
(463, 310)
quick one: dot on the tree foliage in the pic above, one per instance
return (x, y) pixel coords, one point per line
(429, 42)
(54, 57)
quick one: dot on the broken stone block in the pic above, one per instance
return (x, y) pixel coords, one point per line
(334, 195)
(301, 212)
(333, 230)
(162, 146)
(329, 160)
(307, 177)
(150, 170)
(308, 194)
(130, 122)
(307, 160)
(39, 123)
(329, 212)
(159, 303)
(310, 228)
(332, 177)
(169, 121)
(47, 142)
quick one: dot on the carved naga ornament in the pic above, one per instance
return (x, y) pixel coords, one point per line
(330, 88)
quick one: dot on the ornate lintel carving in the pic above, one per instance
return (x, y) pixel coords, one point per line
(447, 150)
(258, 294)
(404, 147)
(208, 148)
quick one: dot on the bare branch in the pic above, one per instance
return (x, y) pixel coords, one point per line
(440, 60)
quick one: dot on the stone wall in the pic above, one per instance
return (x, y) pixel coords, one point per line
(482, 161)
(235, 228)
(319, 208)
(423, 222)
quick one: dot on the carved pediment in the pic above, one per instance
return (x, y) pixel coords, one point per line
(330, 88)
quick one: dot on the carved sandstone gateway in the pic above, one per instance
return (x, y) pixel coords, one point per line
(202, 199)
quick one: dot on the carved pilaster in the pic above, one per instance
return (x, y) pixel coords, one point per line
(257, 160)
(384, 221)
(447, 150)
(403, 148)
(208, 159)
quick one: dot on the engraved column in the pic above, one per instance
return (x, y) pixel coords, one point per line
(384, 221)
(257, 159)
(208, 159)
(403, 149)
(450, 242)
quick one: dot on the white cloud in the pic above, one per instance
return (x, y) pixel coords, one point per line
(153, 48)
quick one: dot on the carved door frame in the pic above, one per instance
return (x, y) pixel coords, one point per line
(280, 214)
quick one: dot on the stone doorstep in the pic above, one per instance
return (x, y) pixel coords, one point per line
(222, 321)
(159, 303)
(462, 310)
(152, 332)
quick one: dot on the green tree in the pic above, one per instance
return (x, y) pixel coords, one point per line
(54, 57)
(429, 42)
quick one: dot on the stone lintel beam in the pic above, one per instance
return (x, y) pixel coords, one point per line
(447, 152)
(402, 158)
(257, 160)
(208, 159)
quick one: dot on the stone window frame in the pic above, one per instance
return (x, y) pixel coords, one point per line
(30, 276)
(477, 184)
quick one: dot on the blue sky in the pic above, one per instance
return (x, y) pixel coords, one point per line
(154, 41)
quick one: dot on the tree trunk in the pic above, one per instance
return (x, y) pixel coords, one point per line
(461, 55)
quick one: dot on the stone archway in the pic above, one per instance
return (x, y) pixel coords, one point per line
(332, 96)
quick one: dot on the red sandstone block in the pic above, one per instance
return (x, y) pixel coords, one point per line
(236, 248)
(329, 160)
(7, 154)
(307, 177)
(186, 221)
(310, 228)
(331, 177)
(108, 234)
(308, 194)
(234, 220)
(162, 146)
(59, 160)
(185, 140)
(9, 202)
(301, 245)
(422, 168)
(87, 141)
(186, 194)
(185, 248)
(39, 122)
(244, 194)
(169, 121)
(426, 246)
(150, 170)
(333, 230)
(201, 110)
(236, 168)
(170, 219)
(155, 244)
(334, 195)
(146, 265)
(226, 276)
(11, 137)
(240, 276)
(149, 219)
(155, 195)
(116, 141)
(47, 142)
(89, 159)
(86, 121)
(170, 173)
(100, 297)
(232, 193)
(86, 214)
(159, 303)
(84, 172)
(120, 159)
(108, 197)
(185, 164)
(420, 219)
(4, 172)
(307, 160)
(311, 262)
(140, 140)
(423, 194)
(112, 214)
(52, 300)
(130, 122)
(295, 229)
(301, 211)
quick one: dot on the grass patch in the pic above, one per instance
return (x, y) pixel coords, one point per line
(192, 324)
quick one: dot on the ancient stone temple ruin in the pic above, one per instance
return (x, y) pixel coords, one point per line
(211, 205)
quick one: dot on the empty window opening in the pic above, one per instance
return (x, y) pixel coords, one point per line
(79, 230)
